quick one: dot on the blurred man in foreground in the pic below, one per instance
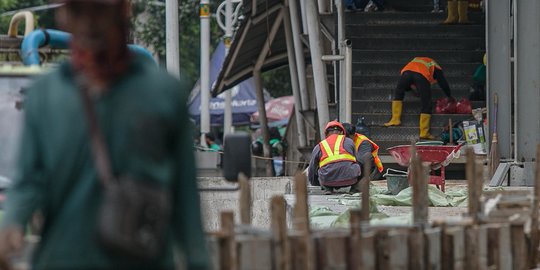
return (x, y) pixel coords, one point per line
(145, 128)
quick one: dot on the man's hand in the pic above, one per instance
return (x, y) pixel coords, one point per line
(11, 242)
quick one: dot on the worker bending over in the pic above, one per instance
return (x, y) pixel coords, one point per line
(333, 163)
(418, 75)
(366, 150)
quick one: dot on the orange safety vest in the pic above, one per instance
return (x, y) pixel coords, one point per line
(333, 151)
(359, 139)
(423, 65)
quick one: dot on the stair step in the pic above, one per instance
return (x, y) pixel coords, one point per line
(444, 57)
(450, 69)
(385, 107)
(400, 133)
(390, 82)
(414, 31)
(385, 94)
(473, 43)
(395, 18)
(409, 120)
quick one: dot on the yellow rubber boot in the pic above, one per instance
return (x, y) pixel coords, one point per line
(425, 119)
(397, 107)
(452, 12)
(463, 9)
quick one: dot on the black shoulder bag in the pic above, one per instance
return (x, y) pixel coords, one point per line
(135, 213)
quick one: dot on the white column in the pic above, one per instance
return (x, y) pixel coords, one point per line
(205, 69)
(172, 38)
(228, 121)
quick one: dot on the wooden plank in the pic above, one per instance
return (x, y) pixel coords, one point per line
(453, 248)
(398, 250)
(520, 255)
(382, 250)
(213, 250)
(355, 242)
(331, 250)
(535, 237)
(475, 247)
(499, 253)
(420, 193)
(245, 199)
(368, 251)
(279, 233)
(417, 249)
(228, 246)
(299, 257)
(255, 253)
(301, 223)
(472, 187)
(433, 248)
(365, 190)
(301, 212)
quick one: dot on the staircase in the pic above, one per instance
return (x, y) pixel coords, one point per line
(384, 42)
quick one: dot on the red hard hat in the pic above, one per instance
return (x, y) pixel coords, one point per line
(334, 124)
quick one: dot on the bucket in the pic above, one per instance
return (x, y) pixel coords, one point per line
(396, 181)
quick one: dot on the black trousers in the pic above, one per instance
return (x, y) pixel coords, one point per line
(423, 89)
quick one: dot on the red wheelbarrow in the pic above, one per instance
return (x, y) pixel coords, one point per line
(437, 157)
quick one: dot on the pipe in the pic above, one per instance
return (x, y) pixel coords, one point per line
(301, 129)
(299, 54)
(29, 22)
(205, 69)
(348, 80)
(59, 39)
(319, 69)
(172, 46)
(228, 121)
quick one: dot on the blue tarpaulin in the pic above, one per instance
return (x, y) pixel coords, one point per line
(244, 101)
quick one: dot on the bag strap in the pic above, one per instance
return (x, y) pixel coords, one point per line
(98, 145)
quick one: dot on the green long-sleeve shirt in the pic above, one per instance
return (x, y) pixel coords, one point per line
(144, 119)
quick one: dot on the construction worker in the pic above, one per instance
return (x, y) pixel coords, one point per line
(457, 12)
(418, 75)
(366, 149)
(333, 163)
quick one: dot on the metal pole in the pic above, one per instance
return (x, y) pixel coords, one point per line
(348, 80)
(172, 37)
(527, 89)
(342, 69)
(227, 125)
(322, 6)
(263, 121)
(303, 15)
(498, 35)
(205, 69)
(299, 54)
(319, 69)
(294, 82)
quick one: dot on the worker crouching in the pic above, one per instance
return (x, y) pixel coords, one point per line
(366, 151)
(418, 76)
(333, 162)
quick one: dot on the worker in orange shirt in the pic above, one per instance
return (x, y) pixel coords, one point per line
(418, 75)
(366, 150)
(333, 162)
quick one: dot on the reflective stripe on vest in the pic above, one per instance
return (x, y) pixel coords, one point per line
(423, 65)
(359, 139)
(338, 153)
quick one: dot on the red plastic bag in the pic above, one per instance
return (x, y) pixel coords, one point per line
(445, 106)
(464, 106)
